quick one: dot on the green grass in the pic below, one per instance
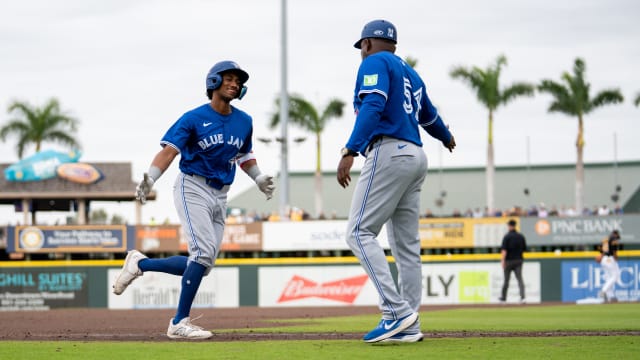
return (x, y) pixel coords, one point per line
(518, 318)
(618, 317)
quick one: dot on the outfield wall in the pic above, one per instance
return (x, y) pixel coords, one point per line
(453, 279)
(323, 235)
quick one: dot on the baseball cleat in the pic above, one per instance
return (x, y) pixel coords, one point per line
(130, 271)
(186, 330)
(388, 328)
(404, 337)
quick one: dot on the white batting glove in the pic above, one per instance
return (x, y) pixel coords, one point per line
(144, 188)
(265, 184)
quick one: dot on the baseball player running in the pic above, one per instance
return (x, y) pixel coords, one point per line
(609, 264)
(211, 139)
(390, 103)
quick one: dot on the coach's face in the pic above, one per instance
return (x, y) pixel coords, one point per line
(365, 47)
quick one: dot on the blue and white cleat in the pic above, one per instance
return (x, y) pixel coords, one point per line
(388, 328)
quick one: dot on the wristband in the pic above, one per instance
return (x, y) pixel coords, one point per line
(253, 172)
(154, 173)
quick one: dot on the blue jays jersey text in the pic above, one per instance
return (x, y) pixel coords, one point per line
(204, 137)
(390, 99)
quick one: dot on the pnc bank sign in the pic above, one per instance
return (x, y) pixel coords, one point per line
(579, 230)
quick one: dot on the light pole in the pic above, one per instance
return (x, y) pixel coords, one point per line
(284, 117)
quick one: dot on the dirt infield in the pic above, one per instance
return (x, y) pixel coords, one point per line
(151, 325)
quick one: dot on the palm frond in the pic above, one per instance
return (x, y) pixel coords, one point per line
(607, 97)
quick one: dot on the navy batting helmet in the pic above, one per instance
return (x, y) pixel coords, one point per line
(214, 77)
(381, 29)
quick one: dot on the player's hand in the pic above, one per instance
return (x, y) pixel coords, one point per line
(344, 167)
(451, 145)
(265, 184)
(144, 188)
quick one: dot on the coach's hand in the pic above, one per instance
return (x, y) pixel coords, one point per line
(344, 167)
(265, 184)
(452, 144)
(144, 188)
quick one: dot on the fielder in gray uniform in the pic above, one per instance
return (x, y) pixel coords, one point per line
(211, 139)
(390, 103)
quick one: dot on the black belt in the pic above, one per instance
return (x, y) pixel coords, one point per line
(214, 183)
(373, 142)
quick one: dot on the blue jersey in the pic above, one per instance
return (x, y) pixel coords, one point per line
(396, 105)
(210, 143)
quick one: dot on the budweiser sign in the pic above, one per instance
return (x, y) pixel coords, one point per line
(344, 290)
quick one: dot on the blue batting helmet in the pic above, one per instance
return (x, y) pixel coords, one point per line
(214, 77)
(381, 29)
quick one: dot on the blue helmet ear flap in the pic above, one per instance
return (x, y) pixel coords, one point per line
(214, 81)
(243, 91)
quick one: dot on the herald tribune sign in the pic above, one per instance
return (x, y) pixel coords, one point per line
(584, 279)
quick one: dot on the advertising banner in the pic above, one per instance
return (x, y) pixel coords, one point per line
(309, 235)
(584, 279)
(242, 237)
(42, 289)
(158, 238)
(156, 290)
(476, 283)
(580, 230)
(315, 286)
(67, 239)
(462, 232)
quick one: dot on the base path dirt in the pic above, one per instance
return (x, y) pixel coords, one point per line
(151, 325)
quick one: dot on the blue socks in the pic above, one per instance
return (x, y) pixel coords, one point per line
(190, 283)
(175, 265)
(191, 273)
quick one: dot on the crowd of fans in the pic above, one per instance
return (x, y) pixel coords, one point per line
(540, 210)
(238, 216)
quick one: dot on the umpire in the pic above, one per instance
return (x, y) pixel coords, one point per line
(513, 245)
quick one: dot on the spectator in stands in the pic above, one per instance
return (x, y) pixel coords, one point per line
(604, 211)
(542, 211)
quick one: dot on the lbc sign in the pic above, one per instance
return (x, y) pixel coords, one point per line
(584, 279)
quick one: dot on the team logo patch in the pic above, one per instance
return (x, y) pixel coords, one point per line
(370, 80)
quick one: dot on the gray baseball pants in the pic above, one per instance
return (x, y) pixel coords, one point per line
(202, 211)
(388, 191)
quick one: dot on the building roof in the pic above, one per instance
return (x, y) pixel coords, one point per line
(464, 188)
(116, 185)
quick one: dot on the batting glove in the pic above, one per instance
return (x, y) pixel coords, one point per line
(144, 188)
(265, 184)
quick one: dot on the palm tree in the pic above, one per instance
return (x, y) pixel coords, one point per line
(33, 125)
(303, 114)
(572, 98)
(413, 62)
(485, 82)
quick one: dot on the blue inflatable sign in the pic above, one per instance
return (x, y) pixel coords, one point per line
(40, 166)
